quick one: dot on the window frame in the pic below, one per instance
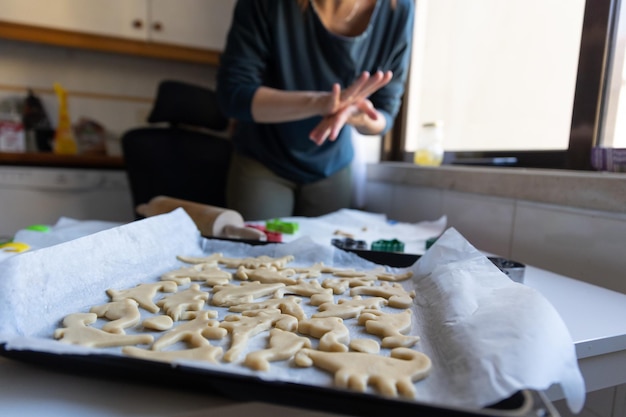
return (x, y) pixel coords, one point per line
(597, 40)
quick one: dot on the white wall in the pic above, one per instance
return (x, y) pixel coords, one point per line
(115, 90)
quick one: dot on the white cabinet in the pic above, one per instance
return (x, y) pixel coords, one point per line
(121, 18)
(190, 23)
(196, 23)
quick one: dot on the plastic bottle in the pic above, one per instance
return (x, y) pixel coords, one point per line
(430, 145)
(64, 142)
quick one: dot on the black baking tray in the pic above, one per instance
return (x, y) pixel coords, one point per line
(513, 269)
(246, 388)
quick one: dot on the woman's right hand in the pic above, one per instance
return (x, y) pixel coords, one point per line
(359, 90)
(350, 103)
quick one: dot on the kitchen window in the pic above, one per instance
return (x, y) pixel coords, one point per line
(527, 83)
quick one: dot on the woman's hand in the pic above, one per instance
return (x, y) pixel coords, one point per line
(354, 114)
(350, 106)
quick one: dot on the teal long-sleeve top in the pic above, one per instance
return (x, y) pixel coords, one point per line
(274, 43)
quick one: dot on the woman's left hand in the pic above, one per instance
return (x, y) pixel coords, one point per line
(359, 111)
(331, 125)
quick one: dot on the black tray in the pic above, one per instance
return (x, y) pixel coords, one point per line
(250, 388)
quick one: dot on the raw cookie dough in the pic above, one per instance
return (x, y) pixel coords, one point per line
(210, 274)
(365, 346)
(266, 275)
(314, 271)
(306, 288)
(230, 295)
(282, 346)
(124, 314)
(195, 332)
(144, 294)
(391, 375)
(212, 259)
(333, 334)
(288, 305)
(262, 261)
(341, 285)
(159, 323)
(349, 308)
(78, 332)
(396, 295)
(191, 299)
(205, 353)
(390, 327)
(251, 323)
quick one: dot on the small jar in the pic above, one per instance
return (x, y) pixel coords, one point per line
(430, 145)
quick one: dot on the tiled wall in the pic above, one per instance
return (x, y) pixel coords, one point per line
(585, 244)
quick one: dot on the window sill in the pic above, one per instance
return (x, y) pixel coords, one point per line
(602, 191)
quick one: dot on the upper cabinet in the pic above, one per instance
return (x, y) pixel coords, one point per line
(123, 18)
(160, 28)
(196, 23)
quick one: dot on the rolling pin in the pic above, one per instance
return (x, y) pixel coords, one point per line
(210, 220)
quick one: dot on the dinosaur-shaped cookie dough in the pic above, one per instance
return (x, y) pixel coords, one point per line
(282, 345)
(374, 274)
(194, 332)
(397, 296)
(262, 261)
(333, 334)
(191, 299)
(78, 332)
(159, 323)
(341, 285)
(210, 274)
(391, 375)
(306, 288)
(211, 259)
(314, 271)
(349, 308)
(124, 314)
(144, 294)
(389, 327)
(266, 275)
(288, 305)
(230, 295)
(251, 323)
(205, 353)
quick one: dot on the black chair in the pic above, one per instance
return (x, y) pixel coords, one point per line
(182, 159)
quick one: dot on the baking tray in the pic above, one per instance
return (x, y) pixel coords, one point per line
(513, 269)
(245, 388)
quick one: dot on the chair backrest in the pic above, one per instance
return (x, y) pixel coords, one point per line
(178, 163)
(179, 160)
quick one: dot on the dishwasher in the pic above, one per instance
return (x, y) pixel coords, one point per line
(41, 195)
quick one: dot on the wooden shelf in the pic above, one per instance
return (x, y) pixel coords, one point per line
(43, 159)
(49, 36)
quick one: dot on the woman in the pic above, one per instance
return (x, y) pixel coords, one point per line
(295, 75)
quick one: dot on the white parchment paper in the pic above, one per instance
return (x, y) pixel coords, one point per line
(487, 336)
